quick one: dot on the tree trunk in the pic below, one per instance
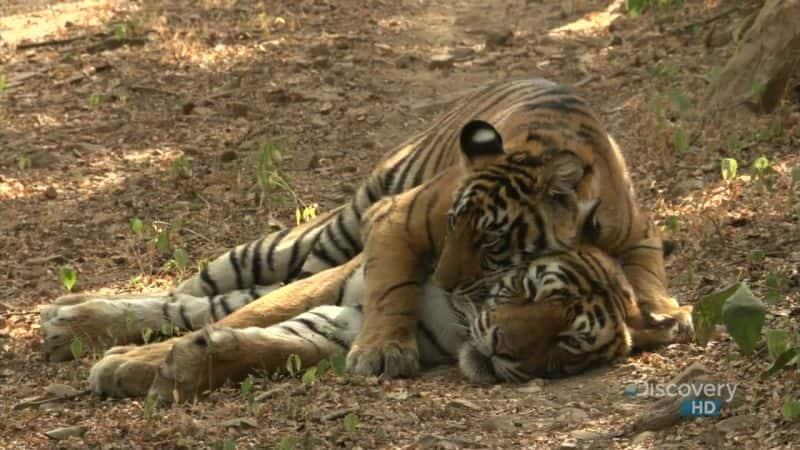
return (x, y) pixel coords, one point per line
(768, 54)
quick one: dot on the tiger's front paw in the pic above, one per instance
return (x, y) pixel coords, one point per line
(128, 371)
(393, 358)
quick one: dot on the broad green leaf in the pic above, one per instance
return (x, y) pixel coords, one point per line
(310, 375)
(777, 342)
(147, 333)
(729, 168)
(350, 422)
(293, 364)
(181, 257)
(162, 241)
(246, 386)
(707, 313)
(136, 225)
(323, 367)
(339, 364)
(761, 167)
(790, 410)
(743, 315)
(68, 277)
(786, 358)
(76, 348)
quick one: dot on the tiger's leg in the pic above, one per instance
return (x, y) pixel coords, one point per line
(102, 321)
(129, 371)
(398, 248)
(216, 355)
(643, 264)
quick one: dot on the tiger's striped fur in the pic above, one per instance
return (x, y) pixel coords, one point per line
(400, 214)
(591, 317)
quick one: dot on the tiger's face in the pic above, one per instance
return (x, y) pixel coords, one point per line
(556, 316)
(509, 207)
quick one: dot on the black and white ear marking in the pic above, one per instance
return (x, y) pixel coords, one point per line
(479, 138)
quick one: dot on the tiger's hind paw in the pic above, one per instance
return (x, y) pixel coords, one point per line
(79, 318)
(127, 371)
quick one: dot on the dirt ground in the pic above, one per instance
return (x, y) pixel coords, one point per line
(98, 122)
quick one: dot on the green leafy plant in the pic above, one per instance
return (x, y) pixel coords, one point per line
(246, 389)
(778, 341)
(2, 82)
(350, 422)
(23, 162)
(757, 256)
(147, 334)
(790, 410)
(773, 131)
(672, 223)
(181, 167)
(339, 364)
(120, 31)
(734, 145)
(181, 257)
(68, 277)
(738, 309)
(293, 364)
(149, 406)
(136, 226)
(729, 167)
(95, 99)
(757, 91)
(763, 173)
(287, 443)
(76, 348)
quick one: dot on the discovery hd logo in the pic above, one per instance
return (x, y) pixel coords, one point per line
(700, 399)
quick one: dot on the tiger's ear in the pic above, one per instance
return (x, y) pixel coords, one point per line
(587, 227)
(481, 144)
(565, 171)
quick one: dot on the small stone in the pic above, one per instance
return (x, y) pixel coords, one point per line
(404, 61)
(568, 444)
(737, 423)
(531, 387)
(325, 108)
(66, 432)
(586, 435)
(50, 193)
(640, 438)
(440, 61)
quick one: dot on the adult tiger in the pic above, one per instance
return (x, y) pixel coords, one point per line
(583, 311)
(550, 135)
